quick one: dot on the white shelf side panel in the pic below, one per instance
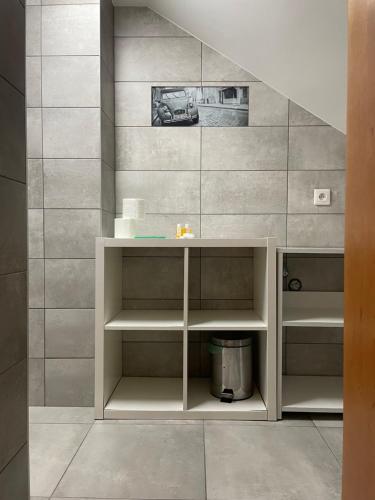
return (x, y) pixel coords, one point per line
(200, 399)
(146, 320)
(146, 394)
(313, 309)
(312, 394)
(237, 320)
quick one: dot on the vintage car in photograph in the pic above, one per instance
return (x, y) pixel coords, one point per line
(176, 106)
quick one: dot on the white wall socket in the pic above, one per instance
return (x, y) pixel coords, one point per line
(322, 197)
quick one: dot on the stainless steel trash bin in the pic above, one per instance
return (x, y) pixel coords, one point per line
(232, 366)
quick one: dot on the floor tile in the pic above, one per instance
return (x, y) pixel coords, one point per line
(60, 415)
(334, 439)
(327, 420)
(52, 446)
(139, 461)
(260, 463)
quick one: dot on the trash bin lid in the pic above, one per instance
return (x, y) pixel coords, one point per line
(232, 339)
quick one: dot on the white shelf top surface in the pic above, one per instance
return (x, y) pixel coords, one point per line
(200, 399)
(147, 320)
(147, 394)
(185, 243)
(312, 250)
(312, 394)
(225, 320)
(313, 309)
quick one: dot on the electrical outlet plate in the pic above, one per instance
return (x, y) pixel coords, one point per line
(322, 197)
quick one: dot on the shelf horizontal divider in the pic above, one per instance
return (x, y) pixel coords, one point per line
(225, 320)
(147, 320)
(200, 399)
(312, 394)
(313, 309)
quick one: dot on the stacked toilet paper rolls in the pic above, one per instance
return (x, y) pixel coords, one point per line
(133, 210)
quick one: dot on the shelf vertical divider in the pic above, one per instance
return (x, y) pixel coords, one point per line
(271, 330)
(185, 371)
(99, 329)
(280, 278)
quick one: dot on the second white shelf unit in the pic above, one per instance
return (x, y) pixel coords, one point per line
(119, 397)
(296, 393)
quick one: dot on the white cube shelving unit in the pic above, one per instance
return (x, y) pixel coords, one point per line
(299, 393)
(119, 397)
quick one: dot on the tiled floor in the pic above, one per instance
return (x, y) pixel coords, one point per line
(72, 457)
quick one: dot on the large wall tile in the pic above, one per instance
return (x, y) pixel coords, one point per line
(69, 283)
(164, 192)
(12, 39)
(227, 278)
(13, 411)
(165, 224)
(300, 116)
(152, 359)
(70, 333)
(71, 233)
(107, 140)
(36, 283)
(71, 81)
(133, 104)
(12, 226)
(153, 277)
(71, 30)
(154, 148)
(107, 224)
(13, 314)
(141, 21)
(72, 183)
(316, 230)
(324, 335)
(266, 106)
(36, 333)
(33, 82)
(314, 359)
(35, 183)
(316, 148)
(324, 274)
(71, 133)
(69, 382)
(301, 185)
(35, 232)
(243, 192)
(33, 30)
(217, 68)
(36, 382)
(150, 59)
(107, 91)
(34, 133)
(106, 33)
(245, 226)
(12, 132)
(253, 148)
(108, 188)
(14, 479)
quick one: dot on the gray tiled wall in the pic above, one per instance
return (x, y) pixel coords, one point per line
(70, 128)
(13, 255)
(226, 182)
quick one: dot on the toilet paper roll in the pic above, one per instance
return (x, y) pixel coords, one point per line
(133, 208)
(125, 228)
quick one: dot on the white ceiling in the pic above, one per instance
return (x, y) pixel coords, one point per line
(298, 47)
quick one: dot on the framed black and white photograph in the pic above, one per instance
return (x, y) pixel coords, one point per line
(200, 106)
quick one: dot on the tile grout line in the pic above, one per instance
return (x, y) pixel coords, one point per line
(326, 443)
(73, 457)
(204, 459)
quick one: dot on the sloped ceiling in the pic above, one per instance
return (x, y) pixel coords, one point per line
(298, 47)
